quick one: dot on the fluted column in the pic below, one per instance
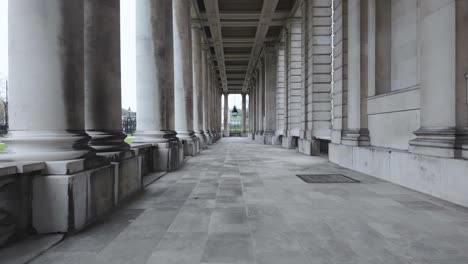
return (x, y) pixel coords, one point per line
(46, 96)
(153, 51)
(244, 114)
(103, 111)
(183, 77)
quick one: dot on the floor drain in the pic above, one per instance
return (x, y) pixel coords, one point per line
(326, 178)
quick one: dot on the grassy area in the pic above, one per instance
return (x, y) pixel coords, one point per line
(129, 140)
(2, 146)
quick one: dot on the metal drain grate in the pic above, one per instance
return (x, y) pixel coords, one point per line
(326, 178)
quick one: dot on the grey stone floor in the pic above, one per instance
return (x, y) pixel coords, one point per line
(240, 202)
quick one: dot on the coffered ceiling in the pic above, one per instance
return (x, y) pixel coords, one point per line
(237, 30)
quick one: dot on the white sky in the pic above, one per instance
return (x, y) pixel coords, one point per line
(128, 52)
(4, 37)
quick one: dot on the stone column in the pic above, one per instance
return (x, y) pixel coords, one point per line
(204, 89)
(251, 115)
(354, 135)
(226, 115)
(270, 94)
(254, 107)
(208, 97)
(218, 111)
(151, 63)
(438, 134)
(244, 114)
(183, 78)
(154, 85)
(103, 110)
(46, 99)
(197, 72)
(210, 103)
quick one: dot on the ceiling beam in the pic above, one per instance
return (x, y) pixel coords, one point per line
(236, 76)
(214, 21)
(236, 67)
(268, 10)
(242, 23)
(237, 45)
(247, 15)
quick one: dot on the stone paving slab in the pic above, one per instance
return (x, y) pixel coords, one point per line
(240, 202)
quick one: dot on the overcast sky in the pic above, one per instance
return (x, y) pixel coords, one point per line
(128, 52)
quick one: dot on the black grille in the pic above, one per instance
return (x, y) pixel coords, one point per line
(326, 178)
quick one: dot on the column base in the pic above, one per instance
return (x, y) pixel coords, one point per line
(202, 140)
(355, 137)
(251, 135)
(226, 134)
(218, 135)
(309, 147)
(107, 141)
(46, 146)
(209, 138)
(465, 151)
(166, 151)
(190, 144)
(440, 142)
(290, 142)
(278, 137)
(153, 137)
(336, 136)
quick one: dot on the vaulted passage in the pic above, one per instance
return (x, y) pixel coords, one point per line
(375, 91)
(239, 202)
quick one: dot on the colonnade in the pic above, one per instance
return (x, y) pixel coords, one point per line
(65, 131)
(65, 97)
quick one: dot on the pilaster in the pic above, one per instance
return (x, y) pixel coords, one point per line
(270, 93)
(439, 134)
